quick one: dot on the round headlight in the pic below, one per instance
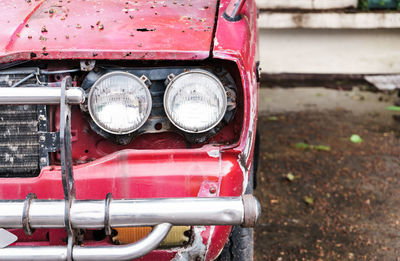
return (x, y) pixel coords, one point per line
(195, 101)
(119, 102)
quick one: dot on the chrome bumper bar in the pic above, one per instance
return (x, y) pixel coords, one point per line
(97, 214)
(128, 213)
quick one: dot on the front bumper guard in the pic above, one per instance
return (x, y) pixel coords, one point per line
(162, 213)
(74, 215)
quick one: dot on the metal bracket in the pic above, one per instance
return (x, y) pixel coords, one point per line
(66, 163)
(25, 214)
(48, 141)
(107, 225)
(87, 65)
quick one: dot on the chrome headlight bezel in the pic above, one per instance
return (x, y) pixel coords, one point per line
(99, 123)
(219, 84)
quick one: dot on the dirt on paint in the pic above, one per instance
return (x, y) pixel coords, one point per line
(340, 201)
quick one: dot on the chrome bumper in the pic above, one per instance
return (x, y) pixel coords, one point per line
(97, 214)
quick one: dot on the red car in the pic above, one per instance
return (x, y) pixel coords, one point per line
(128, 129)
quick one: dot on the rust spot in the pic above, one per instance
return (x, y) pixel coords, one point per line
(29, 36)
(78, 26)
(67, 36)
(41, 38)
(140, 45)
(131, 16)
(44, 29)
(26, 25)
(101, 27)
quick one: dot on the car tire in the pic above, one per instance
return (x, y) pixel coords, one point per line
(240, 246)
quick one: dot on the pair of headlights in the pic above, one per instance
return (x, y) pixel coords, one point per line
(194, 101)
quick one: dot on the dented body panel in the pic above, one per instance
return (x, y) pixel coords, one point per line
(157, 30)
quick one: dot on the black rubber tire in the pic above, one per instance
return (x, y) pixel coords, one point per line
(240, 246)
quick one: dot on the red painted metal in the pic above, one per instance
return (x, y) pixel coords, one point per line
(135, 172)
(238, 42)
(113, 29)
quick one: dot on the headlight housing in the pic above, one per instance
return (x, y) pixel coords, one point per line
(195, 101)
(119, 102)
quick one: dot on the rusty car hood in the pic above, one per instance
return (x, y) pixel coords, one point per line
(106, 29)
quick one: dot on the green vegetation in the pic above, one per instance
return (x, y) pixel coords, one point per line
(379, 4)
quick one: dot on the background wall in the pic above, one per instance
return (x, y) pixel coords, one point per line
(333, 37)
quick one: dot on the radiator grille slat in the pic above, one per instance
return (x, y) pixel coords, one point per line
(19, 141)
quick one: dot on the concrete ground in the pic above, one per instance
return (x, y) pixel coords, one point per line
(323, 196)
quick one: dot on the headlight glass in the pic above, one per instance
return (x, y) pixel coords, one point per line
(195, 101)
(119, 102)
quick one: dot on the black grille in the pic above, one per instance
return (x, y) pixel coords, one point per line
(19, 146)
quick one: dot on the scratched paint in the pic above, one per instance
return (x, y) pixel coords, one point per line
(196, 251)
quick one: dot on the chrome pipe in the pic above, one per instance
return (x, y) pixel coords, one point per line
(139, 212)
(92, 253)
(40, 95)
(126, 252)
(21, 253)
(163, 213)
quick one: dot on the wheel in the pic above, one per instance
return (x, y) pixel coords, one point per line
(240, 246)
